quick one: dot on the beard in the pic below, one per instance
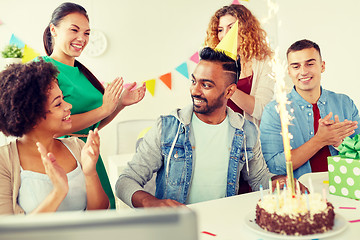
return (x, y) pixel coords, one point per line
(207, 108)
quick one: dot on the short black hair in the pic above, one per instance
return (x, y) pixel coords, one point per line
(228, 64)
(303, 44)
(24, 91)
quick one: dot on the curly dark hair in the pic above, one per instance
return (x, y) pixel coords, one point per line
(24, 90)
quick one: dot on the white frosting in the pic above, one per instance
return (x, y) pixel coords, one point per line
(285, 204)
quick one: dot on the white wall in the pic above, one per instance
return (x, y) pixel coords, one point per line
(148, 38)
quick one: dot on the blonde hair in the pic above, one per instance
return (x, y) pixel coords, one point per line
(252, 37)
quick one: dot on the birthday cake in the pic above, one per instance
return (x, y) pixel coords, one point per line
(301, 214)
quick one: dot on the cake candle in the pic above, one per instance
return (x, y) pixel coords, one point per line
(324, 195)
(298, 188)
(261, 192)
(307, 200)
(270, 186)
(311, 188)
(278, 187)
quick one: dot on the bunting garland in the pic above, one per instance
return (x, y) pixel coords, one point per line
(166, 79)
(150, 86)
(16, 41)
(183, 69)
(28, 52)
(195, 58)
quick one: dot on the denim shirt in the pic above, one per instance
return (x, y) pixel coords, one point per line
(174, 177)
(301, 126)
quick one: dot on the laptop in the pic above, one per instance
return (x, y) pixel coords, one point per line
(144, 224)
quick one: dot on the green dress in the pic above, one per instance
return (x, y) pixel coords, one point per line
(83, 97)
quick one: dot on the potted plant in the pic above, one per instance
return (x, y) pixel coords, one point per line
(12, 53)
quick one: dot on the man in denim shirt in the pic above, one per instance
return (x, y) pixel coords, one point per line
(321, 118)
(199, 151)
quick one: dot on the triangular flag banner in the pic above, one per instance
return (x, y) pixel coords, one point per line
(166, 78)
(195, 57)
(16, 41)
(150, 86)
(183, 69)
(29, 54)
(229, 43)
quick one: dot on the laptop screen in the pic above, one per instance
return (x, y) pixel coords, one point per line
(164, 223)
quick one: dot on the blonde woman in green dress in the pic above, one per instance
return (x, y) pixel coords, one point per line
(94, 106)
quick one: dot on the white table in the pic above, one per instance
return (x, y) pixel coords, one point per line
(225, 217)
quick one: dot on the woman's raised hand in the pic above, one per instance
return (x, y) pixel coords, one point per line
(112, 95)
(56, 173)
(130, 96)
(90, 153)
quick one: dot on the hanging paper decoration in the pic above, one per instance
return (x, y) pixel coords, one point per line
(183, 69)
(16, 41)
(166, 78)
(195, 57)
(29, 54)
(150, 86)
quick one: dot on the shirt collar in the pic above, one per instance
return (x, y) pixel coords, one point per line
(302, 102)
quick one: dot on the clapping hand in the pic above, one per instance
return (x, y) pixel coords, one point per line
(56, 173)
(130, 96)
(90, 153)
(333, 132)
(112, 93)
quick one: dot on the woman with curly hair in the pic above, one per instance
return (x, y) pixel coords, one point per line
(255, 88)
(39, 173)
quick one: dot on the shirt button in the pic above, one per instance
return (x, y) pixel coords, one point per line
(309, 114)
(302, 107)
(309, 106)
(311, 133)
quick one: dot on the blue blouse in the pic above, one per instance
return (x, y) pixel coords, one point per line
(35, 187)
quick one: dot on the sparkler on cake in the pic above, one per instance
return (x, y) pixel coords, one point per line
(288, 211)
